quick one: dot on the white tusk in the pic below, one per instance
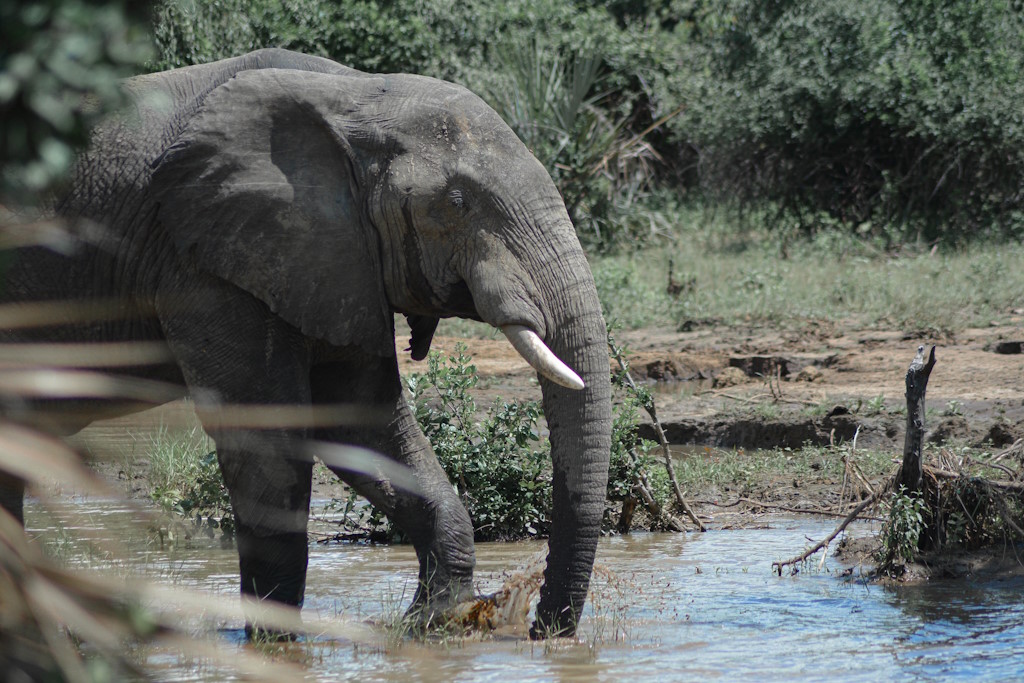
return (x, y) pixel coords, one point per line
(540, 357)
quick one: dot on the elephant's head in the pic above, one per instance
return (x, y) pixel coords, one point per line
(341, 198)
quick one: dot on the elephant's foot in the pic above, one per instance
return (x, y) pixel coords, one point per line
(437, 603)
(257, 634)
(550, 623)
(553, 628)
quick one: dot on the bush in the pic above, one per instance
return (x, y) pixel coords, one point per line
(497, 462)
(901, 532)
(878, 114)
(499, 465)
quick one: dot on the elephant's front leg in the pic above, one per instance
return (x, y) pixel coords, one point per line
(234, 353)
(270, 499)
(434, 519)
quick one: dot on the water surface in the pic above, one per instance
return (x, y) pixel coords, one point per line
(664, 607)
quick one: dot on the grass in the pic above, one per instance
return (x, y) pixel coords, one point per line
(175, 458)
(184, 477)
(708, 469)
(733, 277)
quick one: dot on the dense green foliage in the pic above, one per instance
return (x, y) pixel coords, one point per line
(60, 62)
(878, 114)
(901, 532)
(497, 462)
(892, 118)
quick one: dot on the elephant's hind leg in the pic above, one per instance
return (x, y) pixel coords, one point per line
(435, 520)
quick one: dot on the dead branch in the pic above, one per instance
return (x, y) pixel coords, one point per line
(626, 514)
(742, 399)
(939, 473)
(777, 566)
(660, 433)
(861, 478)
(643, 490)
(1004, 509)
(755, 398)
(993, 465)
(1015, 449)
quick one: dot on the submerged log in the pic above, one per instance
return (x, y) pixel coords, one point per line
(911, 472)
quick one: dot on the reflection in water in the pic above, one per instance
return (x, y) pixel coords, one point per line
(664, 606)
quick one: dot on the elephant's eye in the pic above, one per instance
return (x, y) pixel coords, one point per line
(455, 197)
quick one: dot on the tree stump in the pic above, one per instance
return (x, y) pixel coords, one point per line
(911, 472)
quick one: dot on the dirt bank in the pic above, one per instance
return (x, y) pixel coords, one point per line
(761, 387)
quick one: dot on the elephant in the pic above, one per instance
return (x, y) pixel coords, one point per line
(261, 220)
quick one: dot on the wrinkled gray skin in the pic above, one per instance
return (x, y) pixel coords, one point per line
(265, 217)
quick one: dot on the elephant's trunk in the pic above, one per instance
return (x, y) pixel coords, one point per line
(580, 432)
(536, 276)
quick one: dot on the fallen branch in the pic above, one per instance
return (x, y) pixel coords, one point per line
(643, 489)
(777, 566)
(1004, 509)
(940, 473)
(755, 398)
(784, 508)
(1014, 449)
(994, 465)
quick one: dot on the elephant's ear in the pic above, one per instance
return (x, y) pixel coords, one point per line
(260, 189)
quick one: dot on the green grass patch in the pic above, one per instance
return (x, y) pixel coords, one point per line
(706, 468)
(729, 280)
(185, 478)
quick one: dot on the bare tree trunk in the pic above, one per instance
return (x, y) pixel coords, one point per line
(911, 473)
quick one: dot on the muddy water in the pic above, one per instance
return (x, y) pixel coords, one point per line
(664, 606)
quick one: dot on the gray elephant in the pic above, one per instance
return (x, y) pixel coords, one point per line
(262, 219)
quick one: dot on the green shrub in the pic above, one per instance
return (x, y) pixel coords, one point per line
(901, 532)
(496, 460)
(499, 465)
(554, 102)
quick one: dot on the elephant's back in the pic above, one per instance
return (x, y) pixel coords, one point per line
(173, 96)
(112, 176)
